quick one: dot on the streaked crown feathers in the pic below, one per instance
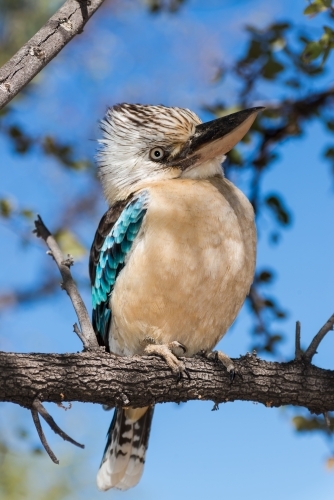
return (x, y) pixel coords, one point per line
(130, 132)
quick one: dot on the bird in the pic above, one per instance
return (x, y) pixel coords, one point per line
(173, 257)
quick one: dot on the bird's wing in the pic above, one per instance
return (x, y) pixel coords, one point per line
(113, 240)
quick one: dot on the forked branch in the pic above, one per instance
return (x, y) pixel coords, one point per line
(38, 409)
(87, 334)
(312, 349)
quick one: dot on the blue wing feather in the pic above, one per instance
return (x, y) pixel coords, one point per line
(108, 259)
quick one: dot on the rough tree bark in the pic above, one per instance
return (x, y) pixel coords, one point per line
(99, 377)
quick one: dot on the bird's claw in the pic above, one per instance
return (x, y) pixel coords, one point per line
(181, 372)
(232, 375)
(169, 352)
(220, 357)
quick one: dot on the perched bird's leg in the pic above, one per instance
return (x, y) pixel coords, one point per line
(221, 357)
(169, 353)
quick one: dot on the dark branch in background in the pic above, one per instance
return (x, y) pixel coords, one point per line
(291, 115)
(298, 351)
(312, 349)
(71, 217)
(39, 292)
(87, 333)
(67, 22)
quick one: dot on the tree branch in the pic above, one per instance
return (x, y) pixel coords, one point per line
(37, 422)
(38, 409)
(312, 349)
(298, 351)
(67, 22)
(103, 378)
(87, 333)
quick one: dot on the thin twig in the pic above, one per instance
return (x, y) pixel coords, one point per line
(35, 417)
(67, 22)
(37, 405)
(298, 351)
(87, 336)
(327, 422)
(312, 349)
(77, 330)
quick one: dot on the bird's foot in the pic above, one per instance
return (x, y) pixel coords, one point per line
(220, 357)
(169, 352)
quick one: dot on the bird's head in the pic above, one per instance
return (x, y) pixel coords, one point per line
(143, 144)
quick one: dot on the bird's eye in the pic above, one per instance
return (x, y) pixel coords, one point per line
(157, 154)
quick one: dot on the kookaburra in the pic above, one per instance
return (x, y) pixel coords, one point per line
(173, 257)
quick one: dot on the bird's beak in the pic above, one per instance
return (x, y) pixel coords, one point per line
(215, 138)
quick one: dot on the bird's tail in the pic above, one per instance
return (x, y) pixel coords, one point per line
(124, 456)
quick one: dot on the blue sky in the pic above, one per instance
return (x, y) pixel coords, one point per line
(126, 55)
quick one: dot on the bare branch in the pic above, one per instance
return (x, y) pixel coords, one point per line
(35, 417)
(67, 22)
(87, 333)
(328, 422)
(298, 351)
(38, 408)
(77, 330)
(312, 349)
(37, 405)
(106, 379)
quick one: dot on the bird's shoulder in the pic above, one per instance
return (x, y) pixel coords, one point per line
(106, 224)
(114, 224)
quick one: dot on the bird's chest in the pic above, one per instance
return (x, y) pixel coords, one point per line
(188, 265)
(185, 234)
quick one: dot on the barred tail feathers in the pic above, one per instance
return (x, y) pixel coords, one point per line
(124, 456)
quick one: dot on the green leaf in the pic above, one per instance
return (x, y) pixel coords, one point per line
(328, 30)
(282, 215)
(265, 276)
(254, 50)
(304, 424)
(279, 27)
(271, 69)
(64, 154)
(21, 141)
(6, 208)
(278, 44)
(312, 51)
(69, 244)
(329, 153)
(330, 125)
(327, 51)
(235, 157)
(28, 214)
(247, 139)
(314, 8)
